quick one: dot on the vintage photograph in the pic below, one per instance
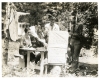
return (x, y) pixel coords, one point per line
(49, 39)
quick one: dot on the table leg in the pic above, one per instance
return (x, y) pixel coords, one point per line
(42, 63)
(28, 61)
(46, 69)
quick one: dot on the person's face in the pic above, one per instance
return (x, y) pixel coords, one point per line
(52, 22)
(29, 32)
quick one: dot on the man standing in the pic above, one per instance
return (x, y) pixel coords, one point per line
(75, 45)
(52, 26)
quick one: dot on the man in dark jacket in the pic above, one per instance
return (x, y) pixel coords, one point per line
(75, 45)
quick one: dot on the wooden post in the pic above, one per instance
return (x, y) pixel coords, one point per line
(28, 62)
(46, 69)
(42, 63)
(22, 62)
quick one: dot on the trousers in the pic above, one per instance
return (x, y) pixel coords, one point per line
(75, 46)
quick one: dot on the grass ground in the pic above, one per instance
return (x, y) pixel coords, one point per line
(88, 65)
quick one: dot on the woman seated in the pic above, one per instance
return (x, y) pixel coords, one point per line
(26, 42)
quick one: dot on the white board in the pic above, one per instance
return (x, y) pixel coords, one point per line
(57, 46)
(56, 55)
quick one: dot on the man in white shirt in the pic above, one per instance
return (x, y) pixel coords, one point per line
(36, 42)
(52, 26)
(33, 35)
(33, 31)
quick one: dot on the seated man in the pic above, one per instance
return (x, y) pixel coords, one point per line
(36, 42)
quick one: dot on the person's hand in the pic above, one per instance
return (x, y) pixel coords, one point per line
(30, 46)
(45, 45)
(21, 46)
(37, 38)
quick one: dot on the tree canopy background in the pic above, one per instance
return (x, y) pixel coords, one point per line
(39, 11)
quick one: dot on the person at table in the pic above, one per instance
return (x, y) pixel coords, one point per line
(36, 41)
(26, 42)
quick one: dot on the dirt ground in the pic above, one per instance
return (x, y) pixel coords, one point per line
(88, 66)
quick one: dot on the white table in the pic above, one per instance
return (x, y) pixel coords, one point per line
(41, 50)
(29, 50)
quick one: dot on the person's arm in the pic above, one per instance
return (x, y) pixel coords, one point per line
(46, 30)
(30, 44)
(21, 41)
(34, 34)
(56, 27)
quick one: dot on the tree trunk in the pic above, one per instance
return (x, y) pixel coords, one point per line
(5, 43)
(5, 40)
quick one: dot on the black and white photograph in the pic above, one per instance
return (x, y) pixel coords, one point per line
(49, 39)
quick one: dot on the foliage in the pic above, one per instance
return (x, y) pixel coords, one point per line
(87, 13)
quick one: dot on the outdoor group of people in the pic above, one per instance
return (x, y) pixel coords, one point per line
(75, 41)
